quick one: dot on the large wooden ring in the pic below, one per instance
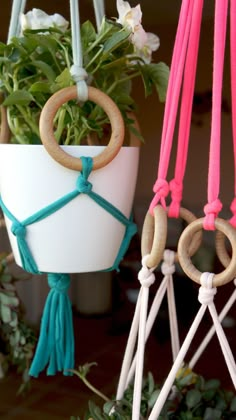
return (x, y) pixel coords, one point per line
(9, 258)
(184, 258)
(221, 250)
(154, 234)
(47, 135)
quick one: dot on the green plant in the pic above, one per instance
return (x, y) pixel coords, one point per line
(17, 339)
(192, 398)
(37, 64)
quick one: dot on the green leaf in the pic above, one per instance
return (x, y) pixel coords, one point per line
(193, 397)
(212, 384)
(88, 34)
(153, 398)
(116, 40)
(212, 414)
(108, 406)
(40, 87)
(45, 68)
(5, 314)
(63, 80)
(155, 75)
(18, 97)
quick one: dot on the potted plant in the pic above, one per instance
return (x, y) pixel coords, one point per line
(35, 66)
(192, 397)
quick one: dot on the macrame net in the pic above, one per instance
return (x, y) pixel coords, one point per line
(180, 96)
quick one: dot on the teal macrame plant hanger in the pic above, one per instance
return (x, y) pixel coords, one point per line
(55, 348)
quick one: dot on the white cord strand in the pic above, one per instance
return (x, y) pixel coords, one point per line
(212, 330)
(146, 278)
(18, 7)
(99, 10)
(206, 297)
(129, 350)
(78, 73)
(168, 269)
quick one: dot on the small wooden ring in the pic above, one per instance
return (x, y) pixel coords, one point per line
(154, 234)
(189, 217)
(9, 258)
(47, 135)
(183, 252)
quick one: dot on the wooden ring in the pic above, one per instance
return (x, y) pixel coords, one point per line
(221, 250)
(184, 258)
(154, 234)
(9, 258)
(47, 135)
(189, 217)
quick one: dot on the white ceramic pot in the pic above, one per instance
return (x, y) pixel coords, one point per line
(82, 236)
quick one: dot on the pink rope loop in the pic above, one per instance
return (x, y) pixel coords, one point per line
(161, 189)
(214, 206)
(233, 96)
(211, 211)
(176, 189)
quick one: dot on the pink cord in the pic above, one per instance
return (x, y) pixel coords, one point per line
(233, 96)
(176, 185)
(214, 205)
(161, 187)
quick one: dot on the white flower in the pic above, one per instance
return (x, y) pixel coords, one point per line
(144, 42)
(38, 19)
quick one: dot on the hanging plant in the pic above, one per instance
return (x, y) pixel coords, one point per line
(36, 64)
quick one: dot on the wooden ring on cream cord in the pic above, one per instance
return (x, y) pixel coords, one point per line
(184, 258)
(150, 244)
(47, 135)
(9, 258)
(221, 250)
(154, 234)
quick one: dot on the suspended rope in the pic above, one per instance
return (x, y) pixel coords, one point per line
(99, 10)
(18, 7)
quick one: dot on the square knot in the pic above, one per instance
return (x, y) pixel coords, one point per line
(207, 291)
(59, 282)
(83, 185)
(18, 229)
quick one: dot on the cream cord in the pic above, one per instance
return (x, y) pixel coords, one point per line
(18, 7)
(206, 297)
(78, 73)
(99, 11)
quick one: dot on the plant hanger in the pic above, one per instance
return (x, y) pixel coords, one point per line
(55, 349)
(182, 74)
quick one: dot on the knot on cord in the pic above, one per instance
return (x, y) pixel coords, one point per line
(161, 187)
(82, 183)
(161, 190)
(145, 275)
(18, 229)
(176, 189)
(233, 209)
(207, 291)
(211, 211)
(168, 265)
(80, 76)
(59, 282)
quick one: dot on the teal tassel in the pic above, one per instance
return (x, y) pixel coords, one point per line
(55, 349)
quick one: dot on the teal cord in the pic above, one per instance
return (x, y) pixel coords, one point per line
(55, 348)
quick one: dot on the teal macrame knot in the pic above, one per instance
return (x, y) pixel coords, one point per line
(83, 185)
(55, 348)
(59, 282)
(18, 229)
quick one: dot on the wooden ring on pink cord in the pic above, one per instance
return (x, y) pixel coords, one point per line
(9, 258)
(47, 135)
(184, 258)
(154, 234)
